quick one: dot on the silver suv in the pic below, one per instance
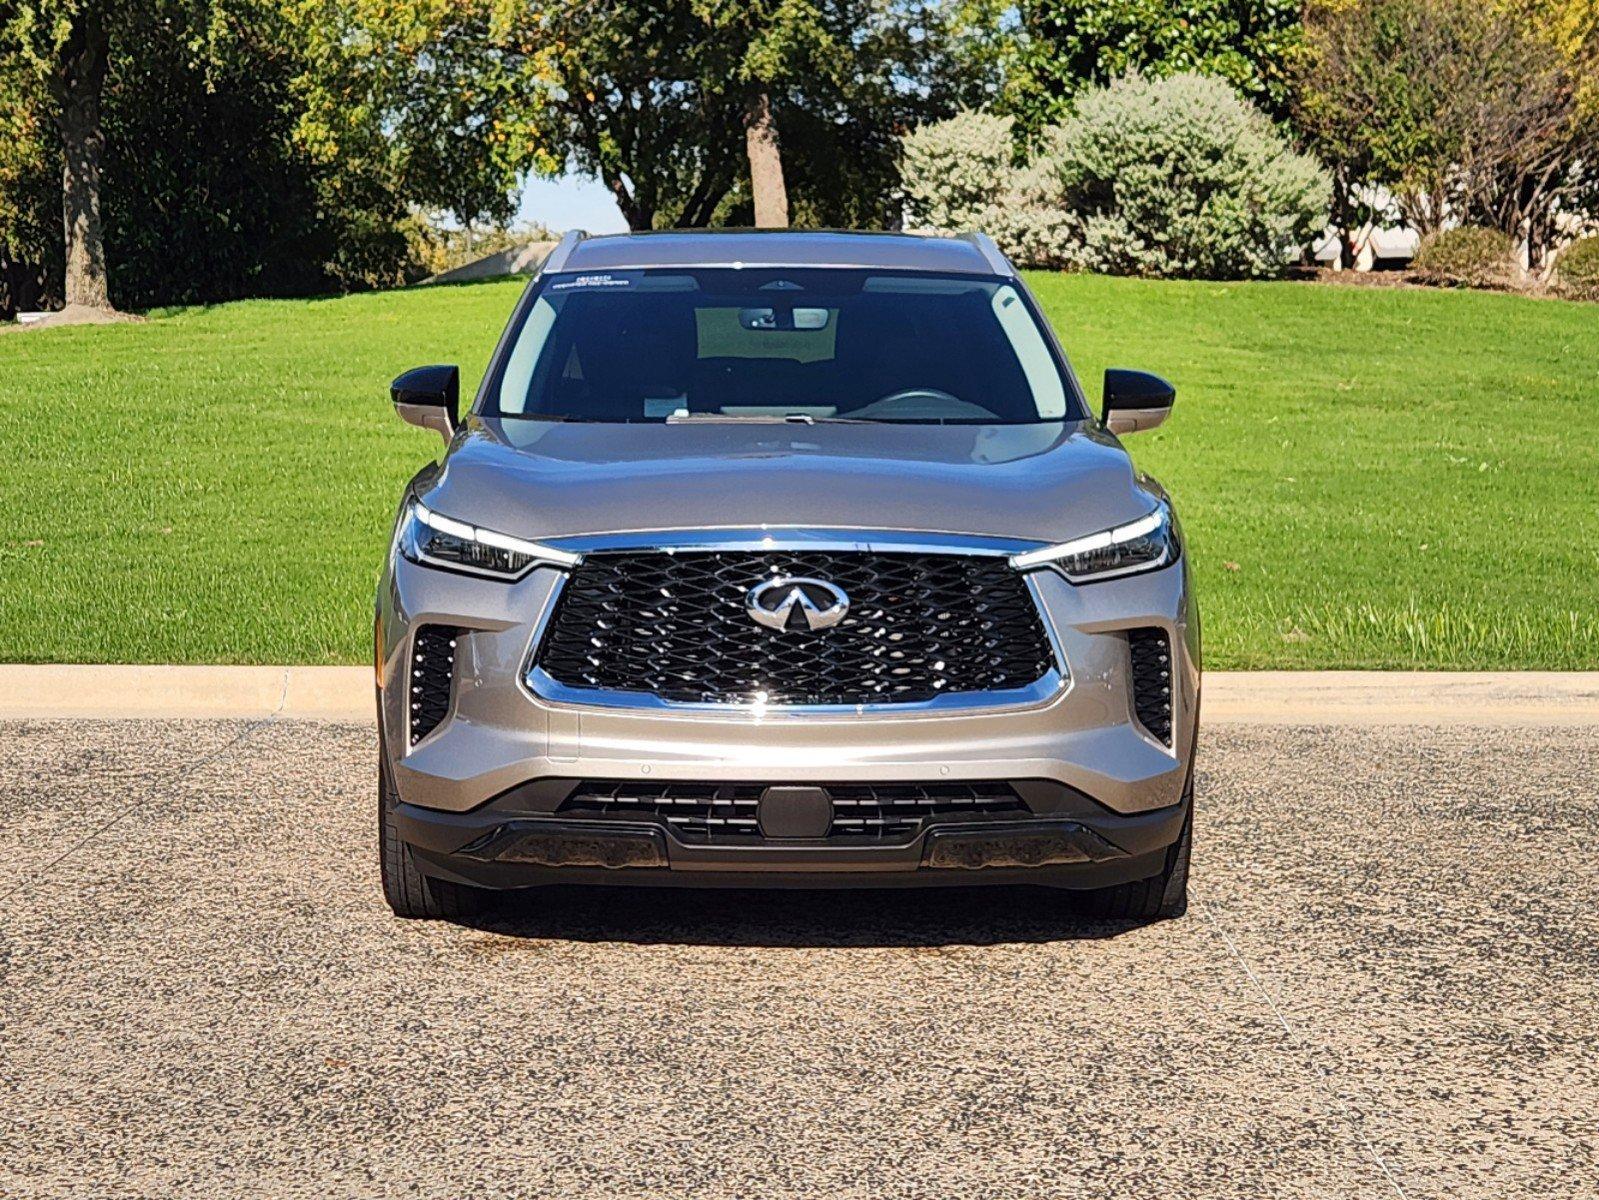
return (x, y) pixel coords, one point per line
(784, 559)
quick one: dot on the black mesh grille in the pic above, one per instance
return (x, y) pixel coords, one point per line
(716, 812)
(432, 676)
(919, 626)
(1151, 655)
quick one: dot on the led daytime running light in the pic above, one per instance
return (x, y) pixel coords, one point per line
(488, 537)
(1130, 532)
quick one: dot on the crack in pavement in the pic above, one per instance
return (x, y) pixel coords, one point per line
(1313, 1053)
(31, 877)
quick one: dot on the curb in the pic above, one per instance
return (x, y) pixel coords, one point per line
(53, 692)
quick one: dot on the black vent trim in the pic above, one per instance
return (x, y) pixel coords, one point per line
(713, 812)
(674, 625)
(1150, 650)
(432, 677)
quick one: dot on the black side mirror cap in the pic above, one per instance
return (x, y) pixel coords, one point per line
(1136, 400)
(429, 397)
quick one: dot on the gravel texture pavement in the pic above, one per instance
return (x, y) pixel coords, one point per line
(1388, 986)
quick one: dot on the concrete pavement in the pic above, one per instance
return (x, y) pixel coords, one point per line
(1386, 987)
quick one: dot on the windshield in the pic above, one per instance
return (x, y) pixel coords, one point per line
(780, 344)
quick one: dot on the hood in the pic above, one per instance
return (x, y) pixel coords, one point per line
(544, 480)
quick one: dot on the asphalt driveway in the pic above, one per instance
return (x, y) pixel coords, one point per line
(1388, 986)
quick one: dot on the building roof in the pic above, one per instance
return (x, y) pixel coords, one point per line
(971, 254)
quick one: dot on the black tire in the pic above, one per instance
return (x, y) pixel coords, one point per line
(1157, 898)
(409, 892)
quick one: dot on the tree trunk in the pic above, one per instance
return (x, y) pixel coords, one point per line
(79, 84)
(766, 164)
(636, 214)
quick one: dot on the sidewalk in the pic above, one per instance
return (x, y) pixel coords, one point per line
(1230, 697)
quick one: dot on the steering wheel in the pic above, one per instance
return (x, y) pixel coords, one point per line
(922, 403)
(936, 395)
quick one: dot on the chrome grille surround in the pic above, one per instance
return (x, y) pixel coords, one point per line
(1046, 677)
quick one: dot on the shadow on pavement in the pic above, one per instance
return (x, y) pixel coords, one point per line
(794, 918)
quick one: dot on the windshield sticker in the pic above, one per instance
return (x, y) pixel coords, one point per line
(594, 281)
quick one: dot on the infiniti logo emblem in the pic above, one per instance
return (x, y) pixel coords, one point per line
(790, 603)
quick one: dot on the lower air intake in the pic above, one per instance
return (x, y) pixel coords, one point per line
(1152, 680)
(719, 811)
(432, 677)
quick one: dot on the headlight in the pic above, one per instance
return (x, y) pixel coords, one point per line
(438, 541)
(1140, 545)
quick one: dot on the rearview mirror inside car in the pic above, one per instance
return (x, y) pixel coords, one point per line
(782, 318)
(1136, 400)
(429, 397)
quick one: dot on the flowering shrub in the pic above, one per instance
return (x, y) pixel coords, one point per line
(1172, 177)
(953, 169)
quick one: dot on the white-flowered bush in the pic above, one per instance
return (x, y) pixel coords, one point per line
(952, 170)
(1176, 177)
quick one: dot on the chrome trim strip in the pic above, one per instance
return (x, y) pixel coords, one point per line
(552, 601)
(1045, 689)
(1042, 609)
(875, 541)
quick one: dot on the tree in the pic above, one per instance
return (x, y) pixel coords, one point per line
(848, 79)
(691, 112)
(1461, 111)
(205, 188)
(30, 229)
(1064, 46)
(631, 96)
(65, 46)
(423, 100)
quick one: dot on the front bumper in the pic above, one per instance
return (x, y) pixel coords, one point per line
(503, 846)
(498, 735)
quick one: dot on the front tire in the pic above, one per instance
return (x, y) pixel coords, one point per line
(410, 893)
(1158, 898)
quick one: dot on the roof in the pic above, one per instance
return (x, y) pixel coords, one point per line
(970, 254)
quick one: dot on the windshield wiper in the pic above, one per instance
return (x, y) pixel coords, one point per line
(573, 419)
(685, 418)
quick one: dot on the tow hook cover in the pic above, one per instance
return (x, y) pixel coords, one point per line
(794, 812)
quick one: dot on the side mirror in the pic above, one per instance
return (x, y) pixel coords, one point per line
(429, 397)
(1136, 400)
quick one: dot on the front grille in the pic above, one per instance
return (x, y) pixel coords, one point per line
(1151, 656)
(675, 625)
(721, 811)
(432, 677)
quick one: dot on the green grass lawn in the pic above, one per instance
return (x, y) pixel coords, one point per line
(1368, 477)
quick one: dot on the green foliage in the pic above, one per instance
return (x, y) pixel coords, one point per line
(1466, 256)
(953, 170)
(424, 101)
(204, 196)
(650, 98)
(1456, 108)
(1578, 268)
(1174, 177)
(30, 217)
(286, 146)
(1319, 535)
(909, 62)
(1069, 45)
(207, 192)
